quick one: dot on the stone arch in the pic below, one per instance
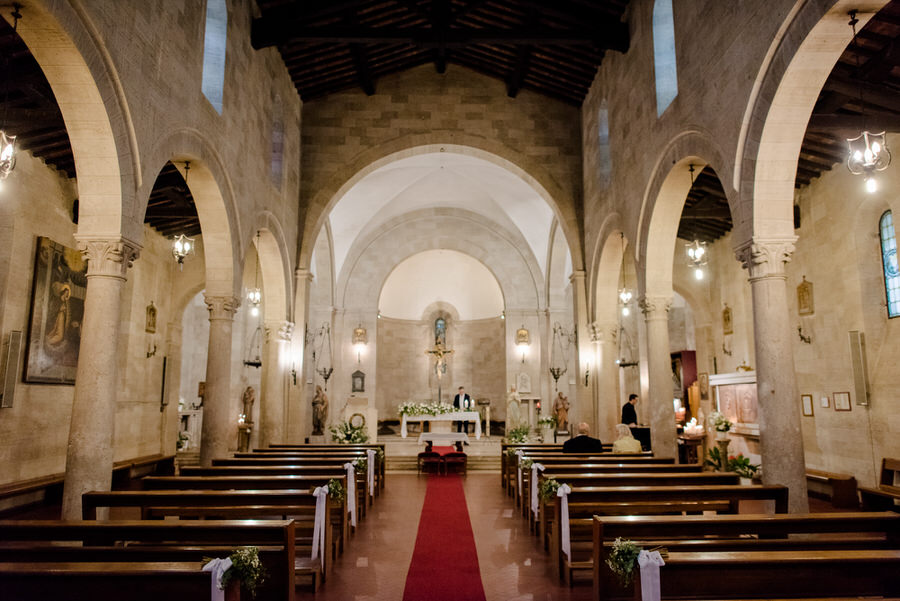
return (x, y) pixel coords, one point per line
(487, 237)
(80, 71)
(214, 197)
(795, 68)
(555, 280)
(531, 172)
(664, 200)
(606, 270)
(274, 263)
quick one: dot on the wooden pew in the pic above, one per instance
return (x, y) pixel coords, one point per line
(509, 463)
(841, 488)
(540, 523)
(301, 482)
(291, 458)
(886, 494)
(745, 536)
(585, 502)
(133, 541)
(122, 581)
(216, 504)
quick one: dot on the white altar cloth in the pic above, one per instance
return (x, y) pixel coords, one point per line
(444, 437)
(456, 416)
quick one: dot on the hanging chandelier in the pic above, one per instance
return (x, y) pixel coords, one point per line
(698, 257)
(625, 294)
(868, 151)
(254, 295)
(558, 353)
(182, 247)
(7, 140)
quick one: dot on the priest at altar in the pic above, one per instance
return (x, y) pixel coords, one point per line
(462, 402)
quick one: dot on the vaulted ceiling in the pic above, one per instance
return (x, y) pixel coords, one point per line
(553, 48)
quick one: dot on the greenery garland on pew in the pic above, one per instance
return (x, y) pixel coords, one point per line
(246, 567)
(361, 464)
(335, 490)
(623, 559)
(547, 489)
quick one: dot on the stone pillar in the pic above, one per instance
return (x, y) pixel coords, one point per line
(273, 408)
(780, 439)
(89, 455)
(169, 422)
(607, 379)
(219, 423)
(658, 405)
(705, 352)
(582, 409)
(299, 423)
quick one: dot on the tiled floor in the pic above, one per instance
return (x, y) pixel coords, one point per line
(513, 566)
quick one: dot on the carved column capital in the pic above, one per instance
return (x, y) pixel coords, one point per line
(303, 275)
(221, 307)
(765, 258)
(108, 257)
(655, 307)
(279, 330)
(603, 332)
(577, 275)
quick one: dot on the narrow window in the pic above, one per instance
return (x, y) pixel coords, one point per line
(664, 55)
(889, 261)
(276, 165)
(604, 157)
(214, 42)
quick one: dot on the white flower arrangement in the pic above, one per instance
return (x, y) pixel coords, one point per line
(412, 408)
(719, 422)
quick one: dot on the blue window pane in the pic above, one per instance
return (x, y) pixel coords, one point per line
(664, 66)
(214, 41)
(889, 261)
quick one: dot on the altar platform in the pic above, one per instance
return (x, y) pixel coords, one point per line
(400, 453)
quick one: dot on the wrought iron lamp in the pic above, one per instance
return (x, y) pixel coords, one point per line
(697, 252)
(360, 340)
(182, 247)
(625, 294)
(868, 151)
(324, 353)
(254, 295)
(8, 141)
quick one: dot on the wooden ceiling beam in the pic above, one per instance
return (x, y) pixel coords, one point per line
(873, 94)
(851, 125)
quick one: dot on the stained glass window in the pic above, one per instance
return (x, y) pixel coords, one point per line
(889, 260)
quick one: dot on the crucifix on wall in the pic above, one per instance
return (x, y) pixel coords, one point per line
(439, 352)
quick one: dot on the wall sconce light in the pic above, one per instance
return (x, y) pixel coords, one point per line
(523, 340)
(360, 339)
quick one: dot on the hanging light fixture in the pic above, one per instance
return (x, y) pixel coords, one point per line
(7, 140)
(322, 356)
(868, 151)
(182, 246)
(254, 295)
(359, 340)
(559, 352)
(697, 251)
(523, 340)
(625, 294)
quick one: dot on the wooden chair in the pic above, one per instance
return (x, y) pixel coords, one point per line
(428, 459)
(458, 461)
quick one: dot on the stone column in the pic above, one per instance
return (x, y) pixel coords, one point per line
(219, 423)
(582, 409)
(607, 379)
(169, 422)
(658, 406)
(781, 439)
(273, 408)
(89, 455)
(299, 424)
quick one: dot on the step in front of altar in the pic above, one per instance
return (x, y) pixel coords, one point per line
(474, 463)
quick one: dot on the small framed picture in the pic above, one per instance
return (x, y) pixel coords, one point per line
(826, 402)
(806, 401)
(842, 401)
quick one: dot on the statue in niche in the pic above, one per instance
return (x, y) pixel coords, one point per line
(561, 411)
(320, 411)
(247, 400)
(150, 325)
(727, 325)
(513, 409)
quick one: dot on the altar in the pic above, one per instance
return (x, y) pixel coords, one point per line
(456, 416)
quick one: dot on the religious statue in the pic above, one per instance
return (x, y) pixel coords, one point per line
(439, 352)
(513, 409)
(320, 411)
(561, 411)
(247, 400)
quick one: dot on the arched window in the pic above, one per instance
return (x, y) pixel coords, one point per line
(889, 261)
(664, 66)
(214, 42)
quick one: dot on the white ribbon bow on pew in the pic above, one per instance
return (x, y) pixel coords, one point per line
(566, 541)
(218, 567)
(535, 504)
(650, 562)
(351, 492)
(370, 454)
(321, 495)
(519, 454)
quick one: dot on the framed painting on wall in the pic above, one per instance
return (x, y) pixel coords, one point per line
(806, 401)
(842, 401)
(57, 311)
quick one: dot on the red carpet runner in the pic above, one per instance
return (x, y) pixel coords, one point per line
(445, 563)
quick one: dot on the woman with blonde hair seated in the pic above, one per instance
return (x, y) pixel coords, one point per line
(625, 442)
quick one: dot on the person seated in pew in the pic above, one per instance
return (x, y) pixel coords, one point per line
(625, 442)
(583, 443)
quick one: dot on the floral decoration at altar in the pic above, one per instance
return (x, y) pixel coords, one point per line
(412, 408)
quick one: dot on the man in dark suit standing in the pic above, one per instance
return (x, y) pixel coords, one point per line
(462, 402)
(583, 443)
(629, 415)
